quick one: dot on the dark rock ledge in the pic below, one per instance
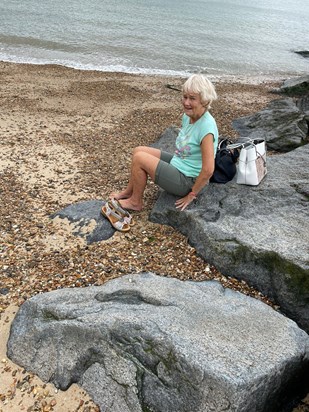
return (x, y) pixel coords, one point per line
(258, 234)
(81, 216)
(303, 53)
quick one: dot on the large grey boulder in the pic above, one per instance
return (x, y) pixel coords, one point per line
(258, 234)
(282, 124)
(149, 343)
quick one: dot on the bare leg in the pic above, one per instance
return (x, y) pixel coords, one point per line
(127, 192)
(143, 165)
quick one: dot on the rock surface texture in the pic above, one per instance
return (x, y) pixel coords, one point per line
(298, 86)
(258, 234)
(283, 124)
(87, 221)
(149, 343)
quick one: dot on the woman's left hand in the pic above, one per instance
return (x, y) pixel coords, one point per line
(184, 202)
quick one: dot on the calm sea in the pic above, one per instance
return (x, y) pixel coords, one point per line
(175, 37)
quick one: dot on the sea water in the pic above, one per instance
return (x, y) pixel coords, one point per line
(174, 37)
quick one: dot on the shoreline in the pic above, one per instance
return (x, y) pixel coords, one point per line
(66, 137)
(229, 78)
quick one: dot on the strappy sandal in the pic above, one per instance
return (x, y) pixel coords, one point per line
(117, 221)
(117, 208)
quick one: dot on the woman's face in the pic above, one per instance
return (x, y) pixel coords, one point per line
(192, 105)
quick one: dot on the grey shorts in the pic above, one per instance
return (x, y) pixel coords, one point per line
(171, 179)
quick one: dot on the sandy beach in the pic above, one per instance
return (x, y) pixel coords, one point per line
(67, 136)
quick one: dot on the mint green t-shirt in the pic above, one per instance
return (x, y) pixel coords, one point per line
(188, 156)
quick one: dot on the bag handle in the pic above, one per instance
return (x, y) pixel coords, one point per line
(246, 143)
(223, 143)
(238, 145)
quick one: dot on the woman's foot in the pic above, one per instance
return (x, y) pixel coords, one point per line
(128, 204)
(121, 195)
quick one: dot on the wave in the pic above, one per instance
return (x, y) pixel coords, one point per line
(94, 67)
(240, 78)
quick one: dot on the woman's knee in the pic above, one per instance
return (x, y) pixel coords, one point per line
(142, 150)
(146, 161)
(138, 156)
(139, 149)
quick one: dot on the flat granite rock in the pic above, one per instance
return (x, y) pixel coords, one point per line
(88, 221)
(149, 343)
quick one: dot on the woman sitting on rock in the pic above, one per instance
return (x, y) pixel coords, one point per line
(185, 172)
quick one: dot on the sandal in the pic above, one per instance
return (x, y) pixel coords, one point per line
(117, 208)
(117, 221)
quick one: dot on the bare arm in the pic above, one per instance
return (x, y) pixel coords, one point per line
(208, 166)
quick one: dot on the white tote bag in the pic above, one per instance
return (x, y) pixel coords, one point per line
(251, 167)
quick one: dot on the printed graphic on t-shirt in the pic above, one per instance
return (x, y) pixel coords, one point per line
(183, 150)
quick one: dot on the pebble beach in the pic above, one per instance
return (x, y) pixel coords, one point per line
(66, 136)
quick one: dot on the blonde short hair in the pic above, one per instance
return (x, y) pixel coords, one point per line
(197, 83)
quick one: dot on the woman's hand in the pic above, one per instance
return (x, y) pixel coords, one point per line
(208, 165)
(184, 201)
